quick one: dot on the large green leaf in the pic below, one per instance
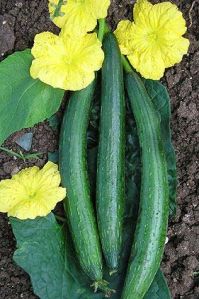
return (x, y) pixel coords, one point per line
(23, 100)
(45, 254)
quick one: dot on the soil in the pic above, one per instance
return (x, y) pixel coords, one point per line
(20, 20)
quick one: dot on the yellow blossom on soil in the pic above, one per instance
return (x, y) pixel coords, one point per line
(154, 40)
(66, 62)
(31, 192)
(78, 17)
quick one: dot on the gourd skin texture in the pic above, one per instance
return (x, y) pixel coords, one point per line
(111, 154)
(150, 235)
(73, 168)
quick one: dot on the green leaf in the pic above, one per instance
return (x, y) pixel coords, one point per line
(23, 100)
(45, 254)
(159, 95)
(54, 121)
(159, 288)
(53, 157)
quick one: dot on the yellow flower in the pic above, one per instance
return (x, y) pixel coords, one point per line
(154, 40)
(31, 192)
(78, 17)
(66, 62)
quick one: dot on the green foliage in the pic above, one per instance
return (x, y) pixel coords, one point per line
(23, 100)
(44, 248)
(20, 155)
(45, 254)
(159, 288)
(57, 7)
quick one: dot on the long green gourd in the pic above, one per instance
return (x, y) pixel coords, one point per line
(110, 170)
(150, 235)
(73, 168)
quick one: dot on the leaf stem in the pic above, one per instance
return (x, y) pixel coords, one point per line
(20, 155)
(58, 9)
(10, 152)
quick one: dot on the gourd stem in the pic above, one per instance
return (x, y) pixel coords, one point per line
(103, 28)
(126, 65)
(102, 285)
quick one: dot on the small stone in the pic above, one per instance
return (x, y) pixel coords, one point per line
(25, 141)
(8, 167)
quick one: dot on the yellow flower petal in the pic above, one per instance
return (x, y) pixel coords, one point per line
(99, 8)
(25, 210)
(155, 40)
(32, 192)
(9, 194)
(140, 10)
(123, 34)
(66, 62)
(30, 210)
(49, 174)
(175, 52)
(150, 65)
(78, 17)
(169, 19)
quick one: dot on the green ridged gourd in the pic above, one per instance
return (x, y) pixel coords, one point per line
(111, 154)
(73, 167)
(151, 229)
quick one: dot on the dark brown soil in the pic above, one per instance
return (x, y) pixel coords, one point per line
(20, 20)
